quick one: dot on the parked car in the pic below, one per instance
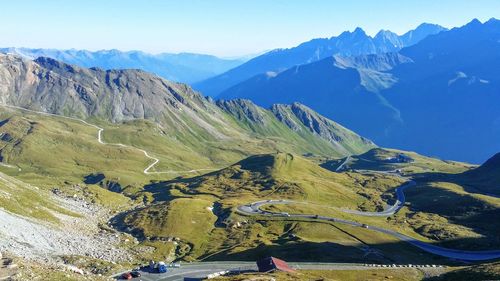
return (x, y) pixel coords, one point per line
(162, 267)
(135, 273)
(127, 276)
(364, 226)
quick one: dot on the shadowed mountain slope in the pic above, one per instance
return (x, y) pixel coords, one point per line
(437, 97)
(343, 87)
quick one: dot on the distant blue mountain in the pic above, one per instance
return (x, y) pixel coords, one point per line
(347, 88)
(346, 44)
(183, 67)
(449, 97)
(440, 96)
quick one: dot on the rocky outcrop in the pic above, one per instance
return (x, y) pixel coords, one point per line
(282, 112)
(298, 116)
(243, 110)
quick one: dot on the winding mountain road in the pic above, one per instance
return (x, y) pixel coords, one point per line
(99, 139)
(341, 166)
(254, 209)
(391, 210)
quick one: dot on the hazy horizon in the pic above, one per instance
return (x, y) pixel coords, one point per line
(238, 56)
(222, 28)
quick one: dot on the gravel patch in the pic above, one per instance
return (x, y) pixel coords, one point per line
(34, 240)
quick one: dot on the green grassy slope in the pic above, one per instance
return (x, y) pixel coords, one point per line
(190, 220)
(345, 275)
(436, 212)
(451, 204)
(264, 177)
(26, 200)
(282, 175)
(55, 151)
(447, 214)
(459, 209)
(484, 179)
(379, 159)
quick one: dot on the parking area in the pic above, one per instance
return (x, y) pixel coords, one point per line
(202, 269)
(194, 270)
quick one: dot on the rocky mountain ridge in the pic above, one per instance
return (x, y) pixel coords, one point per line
(355, 43)
(183, 67)
(51, 86)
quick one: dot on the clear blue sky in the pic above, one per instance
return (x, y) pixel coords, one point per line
(220, 27)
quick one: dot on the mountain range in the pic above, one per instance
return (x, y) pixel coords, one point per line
(182, 67)
(417, 91)
(346, 44)
(51, 86)
(337, 86)
(438, 97)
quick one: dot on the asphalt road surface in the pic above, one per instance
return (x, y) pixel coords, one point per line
(195, 270)
(391, 210)
(202, 269)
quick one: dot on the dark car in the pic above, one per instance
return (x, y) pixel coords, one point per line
(135, 274)
(127, 276)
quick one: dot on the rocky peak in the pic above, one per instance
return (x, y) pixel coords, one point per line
(243, 109)
(48, 62)
(313, 121)
(116, 95)
(283, 114)
(298, 115)
(389, 37)
(474, 22)
(359, 31)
